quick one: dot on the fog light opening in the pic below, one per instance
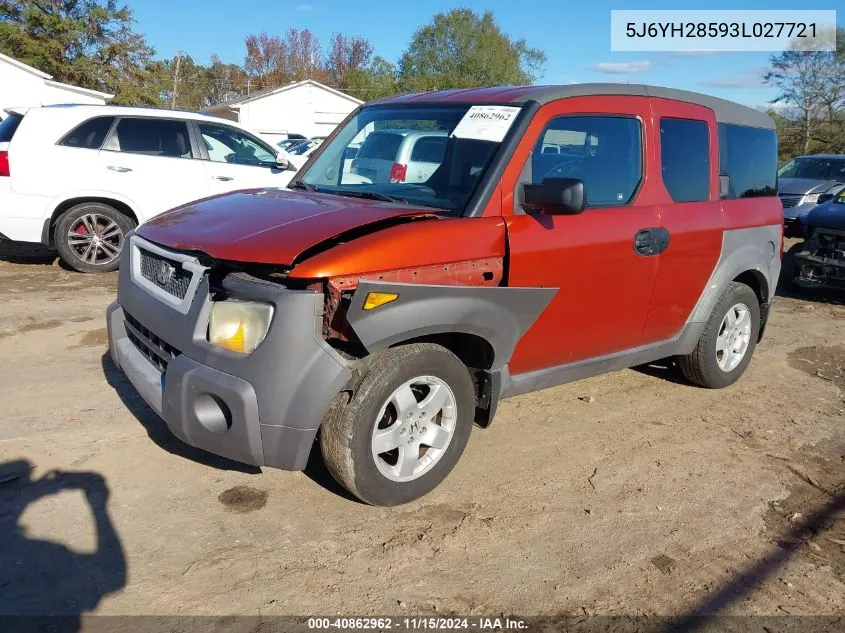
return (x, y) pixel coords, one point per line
(212, 413)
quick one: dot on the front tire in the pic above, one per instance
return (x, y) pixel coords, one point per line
(90, 236)
(404, 428)
(728, 340)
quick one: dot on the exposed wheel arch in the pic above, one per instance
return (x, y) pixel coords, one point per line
(477, 354)
(755, 280)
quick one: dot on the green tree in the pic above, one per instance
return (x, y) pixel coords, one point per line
(461, 49)
(375, 81)
(89, 43)
(194, 88)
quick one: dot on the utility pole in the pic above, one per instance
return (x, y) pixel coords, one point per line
(176, 79)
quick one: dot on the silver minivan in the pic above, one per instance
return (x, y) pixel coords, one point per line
(390, 156)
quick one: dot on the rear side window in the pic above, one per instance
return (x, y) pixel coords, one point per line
(749, 157)
(154, 137)
(381, 145)
(605, 152)
(685, 159)
(8, 127)
(429, 149)
(90, 134)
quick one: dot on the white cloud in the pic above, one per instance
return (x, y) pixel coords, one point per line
(619, 68)
(778, 108)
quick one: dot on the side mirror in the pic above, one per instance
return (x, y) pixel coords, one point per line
(555, 196)
(282, 163)
(825, 197)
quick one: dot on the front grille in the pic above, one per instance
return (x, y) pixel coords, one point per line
(789, 201)
(157, 351)
(165, 273)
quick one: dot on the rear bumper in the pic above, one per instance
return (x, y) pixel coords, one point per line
(262, 409)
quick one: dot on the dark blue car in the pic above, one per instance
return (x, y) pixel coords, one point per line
(820, 262)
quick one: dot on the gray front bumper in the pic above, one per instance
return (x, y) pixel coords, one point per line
(263, 408)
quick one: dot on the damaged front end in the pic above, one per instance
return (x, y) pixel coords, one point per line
(821, 261)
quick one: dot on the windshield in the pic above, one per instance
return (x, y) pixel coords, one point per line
(412, 154)
(814, 168)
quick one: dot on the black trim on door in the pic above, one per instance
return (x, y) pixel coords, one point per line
(652, 241)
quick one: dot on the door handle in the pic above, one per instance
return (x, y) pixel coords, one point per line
(223, 178)
(119, 169)
(649, 242)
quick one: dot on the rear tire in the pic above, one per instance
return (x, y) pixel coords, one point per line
(417, 402)
(727, 343)
(90, 237)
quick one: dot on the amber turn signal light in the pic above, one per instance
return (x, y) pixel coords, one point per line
(376, 299)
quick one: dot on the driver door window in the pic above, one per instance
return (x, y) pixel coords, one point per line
(228, 145)
(605, 152)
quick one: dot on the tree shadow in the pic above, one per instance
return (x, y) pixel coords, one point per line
(744, 583)
(46, 585)
(157, 429)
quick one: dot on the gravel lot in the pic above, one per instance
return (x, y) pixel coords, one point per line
(653, 497)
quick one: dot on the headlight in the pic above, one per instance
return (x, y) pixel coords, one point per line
(239, 326)
(811, 198)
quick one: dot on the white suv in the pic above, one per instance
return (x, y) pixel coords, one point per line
(77, 178)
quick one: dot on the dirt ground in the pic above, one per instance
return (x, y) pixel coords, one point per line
(653, 497)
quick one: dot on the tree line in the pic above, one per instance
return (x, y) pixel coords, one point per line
(92, 44)
(811, 86)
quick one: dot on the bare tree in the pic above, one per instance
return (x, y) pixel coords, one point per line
(813, 83)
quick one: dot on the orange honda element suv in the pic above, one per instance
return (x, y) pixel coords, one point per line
(534, 236)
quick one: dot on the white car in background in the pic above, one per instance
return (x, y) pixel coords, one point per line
(297, 155)
(78, 178)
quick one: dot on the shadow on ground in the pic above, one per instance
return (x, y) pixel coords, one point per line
(706, 613)
(25, 253)
(41, 578)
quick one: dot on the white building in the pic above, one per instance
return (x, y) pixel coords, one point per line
(23, 86)
(305, 107)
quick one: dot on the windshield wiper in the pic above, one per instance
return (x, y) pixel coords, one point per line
(370, 195)
(304, 185)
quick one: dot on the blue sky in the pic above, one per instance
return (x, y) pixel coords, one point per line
(574, 36)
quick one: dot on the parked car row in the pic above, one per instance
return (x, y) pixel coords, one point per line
(79, 178)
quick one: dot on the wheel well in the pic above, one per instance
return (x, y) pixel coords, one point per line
(124, 208)
(757, 282)
(474, 351)
(477, 354)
